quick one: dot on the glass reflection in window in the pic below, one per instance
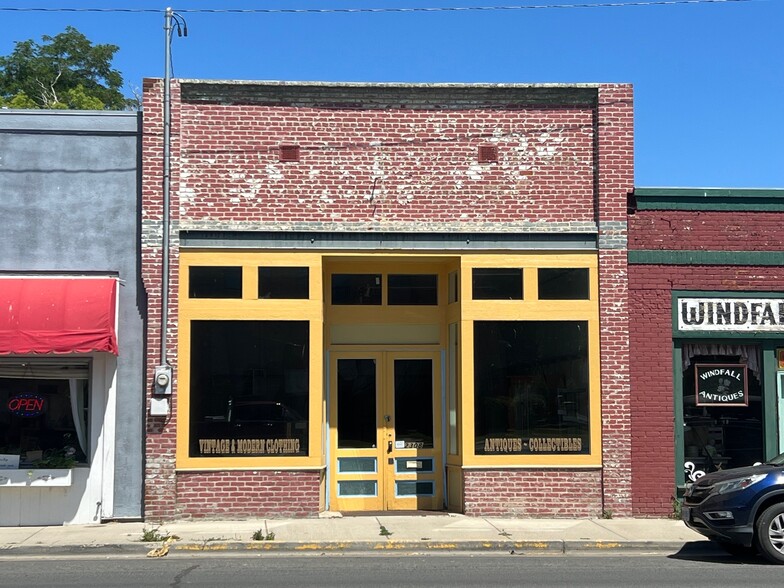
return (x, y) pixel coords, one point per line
(249, 388)
(531, 389)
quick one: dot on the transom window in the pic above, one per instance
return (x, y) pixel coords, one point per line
(497, 283)
(564, 284)
(284, 282)
(401, 289)
(215, 282)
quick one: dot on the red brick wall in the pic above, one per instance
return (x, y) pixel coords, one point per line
(402, 167)
(533, 493)
(395, 165)
(651, 347)
(615, 148)
(706, 230)
(160, 490)
(247, 494)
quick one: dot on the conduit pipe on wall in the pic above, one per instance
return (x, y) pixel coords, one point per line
(163, 373)
(167, 27)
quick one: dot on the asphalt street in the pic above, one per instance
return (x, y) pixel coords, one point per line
(392, 570)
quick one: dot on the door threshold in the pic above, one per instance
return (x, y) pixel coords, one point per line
(394, 513)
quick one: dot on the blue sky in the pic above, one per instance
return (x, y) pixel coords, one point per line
(708, 77)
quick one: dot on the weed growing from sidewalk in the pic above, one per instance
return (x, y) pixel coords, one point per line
(153, 534)
(676, 508)
(607, 513)
(384, 532)
(265, 535)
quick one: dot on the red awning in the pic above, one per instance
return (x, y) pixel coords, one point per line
(57, 315)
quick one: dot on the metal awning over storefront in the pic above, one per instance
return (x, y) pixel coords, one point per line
(57, 315)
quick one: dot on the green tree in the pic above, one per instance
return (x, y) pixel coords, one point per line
(65, 71)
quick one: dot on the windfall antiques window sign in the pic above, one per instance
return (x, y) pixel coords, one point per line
(721, 384)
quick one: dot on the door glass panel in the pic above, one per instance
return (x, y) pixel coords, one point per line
(356, 403)
(414, 402)
(414, 488)
(357, 464)
(357, 488)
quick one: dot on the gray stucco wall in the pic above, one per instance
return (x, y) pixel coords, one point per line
(69, 202)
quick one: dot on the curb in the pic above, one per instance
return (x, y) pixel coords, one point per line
(375, 546)
(310, 547)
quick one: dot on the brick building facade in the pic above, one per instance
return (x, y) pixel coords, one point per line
(390, 297)
(702, 263)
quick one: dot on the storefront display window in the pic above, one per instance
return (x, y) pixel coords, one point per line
(43, 421)
(722, 407)
(531, 387)
(249, 388)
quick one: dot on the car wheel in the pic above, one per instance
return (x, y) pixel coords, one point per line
(770, 533)
(737, 549)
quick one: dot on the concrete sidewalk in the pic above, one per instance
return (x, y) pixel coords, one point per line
(335, 533)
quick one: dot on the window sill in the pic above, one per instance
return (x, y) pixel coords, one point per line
(35, 478)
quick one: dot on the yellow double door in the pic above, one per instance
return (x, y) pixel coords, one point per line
(385, 441)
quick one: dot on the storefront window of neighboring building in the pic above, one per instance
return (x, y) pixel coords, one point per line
(722, 409)
(249, 388)
(531, 387)
(43, 422)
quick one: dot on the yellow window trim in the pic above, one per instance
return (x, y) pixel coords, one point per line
(465, 311)
(530, 308)
(252, 308)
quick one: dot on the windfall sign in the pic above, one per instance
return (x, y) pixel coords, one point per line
(731, 314)
(721, 385)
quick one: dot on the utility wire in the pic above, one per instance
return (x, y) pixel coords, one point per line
(637, 3)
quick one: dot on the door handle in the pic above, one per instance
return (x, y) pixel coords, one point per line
(389, 446)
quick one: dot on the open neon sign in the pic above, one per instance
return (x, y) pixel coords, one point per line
(26, 405)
